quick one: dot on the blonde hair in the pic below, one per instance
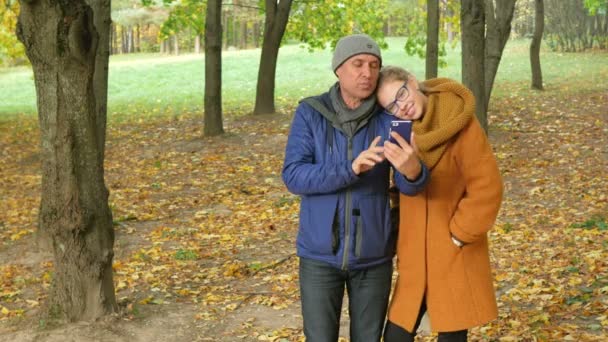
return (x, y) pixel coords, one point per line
(392, 73)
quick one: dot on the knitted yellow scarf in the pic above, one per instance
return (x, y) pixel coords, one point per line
(449, 108)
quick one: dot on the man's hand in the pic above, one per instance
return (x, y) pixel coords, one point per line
(368, 158)
(404, 156)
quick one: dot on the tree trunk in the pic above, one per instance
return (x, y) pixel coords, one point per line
(235, 32)
(138, 38)
(70, 62)
(277, 15)
(432, 38)
(175, 45)
(448, 26)
(114, 39)
(225, 20)
(131, 40)
(482, 46)
(124, 47)
(472, 18)
(498, 30)
(197, 44)
(539, 24)
(256, 35)
(243, 35)
(213, 69)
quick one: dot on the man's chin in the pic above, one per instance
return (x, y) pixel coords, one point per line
(365, 93)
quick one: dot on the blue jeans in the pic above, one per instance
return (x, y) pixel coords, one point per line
(322, 290)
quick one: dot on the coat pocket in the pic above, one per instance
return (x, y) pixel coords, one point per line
(317, 220)
(374, 237)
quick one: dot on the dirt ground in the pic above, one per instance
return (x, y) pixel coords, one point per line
(205, 230)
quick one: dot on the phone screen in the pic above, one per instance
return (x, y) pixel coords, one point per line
(403, 128)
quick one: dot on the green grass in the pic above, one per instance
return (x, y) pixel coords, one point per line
(151, 84)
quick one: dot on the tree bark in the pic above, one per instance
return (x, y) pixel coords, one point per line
(197, 44)
(539, 24)
(124, 40)
(213, 69)
(277, 15)
(235, 31)
(432, 38)
(69, 58)
(256, 35)
(498, 30)
(243, 35)
(472, 16)
(131, 39)
(114, 39)
(225, 20)
(138, 38)
(485, 32)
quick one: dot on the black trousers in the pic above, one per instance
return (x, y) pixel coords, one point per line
(395, 333)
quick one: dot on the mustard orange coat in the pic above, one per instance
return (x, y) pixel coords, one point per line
(463, 197)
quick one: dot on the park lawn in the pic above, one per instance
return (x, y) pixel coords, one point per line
(144, 85)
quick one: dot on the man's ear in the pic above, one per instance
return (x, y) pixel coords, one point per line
(338, 71)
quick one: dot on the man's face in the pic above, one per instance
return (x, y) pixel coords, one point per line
(358, 77)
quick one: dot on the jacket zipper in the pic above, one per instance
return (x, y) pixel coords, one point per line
(347, 214)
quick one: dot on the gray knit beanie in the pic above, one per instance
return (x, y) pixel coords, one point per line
(352, 45)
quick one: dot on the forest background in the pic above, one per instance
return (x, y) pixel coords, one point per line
(204, 228)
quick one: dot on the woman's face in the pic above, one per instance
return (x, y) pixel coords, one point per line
(402, 99)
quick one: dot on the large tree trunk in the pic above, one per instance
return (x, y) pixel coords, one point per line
(67, 43)
(498, 29)
(277, 15)
(213, 69)
(482, 46)
(432, 38)
(539, 25)
(472, 17)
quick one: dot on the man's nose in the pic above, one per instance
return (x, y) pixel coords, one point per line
(366, 70)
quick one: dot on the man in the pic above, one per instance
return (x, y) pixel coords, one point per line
(334, 162)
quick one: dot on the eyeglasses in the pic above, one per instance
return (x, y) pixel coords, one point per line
(402, 95)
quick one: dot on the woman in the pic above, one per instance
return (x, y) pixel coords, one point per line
(442, 249)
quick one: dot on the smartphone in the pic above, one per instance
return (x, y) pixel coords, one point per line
(403, 128)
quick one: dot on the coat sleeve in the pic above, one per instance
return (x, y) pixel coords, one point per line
(479, 205)
(411, 188)
(304, 172)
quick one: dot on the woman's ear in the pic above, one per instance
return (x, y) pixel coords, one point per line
(412, 80)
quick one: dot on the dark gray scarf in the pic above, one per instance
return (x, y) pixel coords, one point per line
(349, 120)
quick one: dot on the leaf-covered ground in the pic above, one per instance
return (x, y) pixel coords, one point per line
(205, 229)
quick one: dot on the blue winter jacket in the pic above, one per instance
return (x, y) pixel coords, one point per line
(344, 218)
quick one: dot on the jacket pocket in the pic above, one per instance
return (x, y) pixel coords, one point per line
(374, 237)
(317, 224)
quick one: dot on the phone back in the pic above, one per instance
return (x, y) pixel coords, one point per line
(403, 128)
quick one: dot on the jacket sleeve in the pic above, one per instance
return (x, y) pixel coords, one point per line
(304, 173)
(408, 187)
(478, 208)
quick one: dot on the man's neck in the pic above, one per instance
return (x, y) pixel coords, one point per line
(351, 102)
